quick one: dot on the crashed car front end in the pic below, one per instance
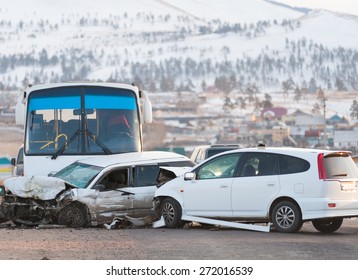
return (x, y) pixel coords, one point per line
(26, 210)
(41, 200)
(23, 202)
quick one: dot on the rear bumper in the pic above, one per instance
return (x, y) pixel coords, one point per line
(329, 208)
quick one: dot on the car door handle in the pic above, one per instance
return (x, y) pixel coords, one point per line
(271, 185)
(223, 187)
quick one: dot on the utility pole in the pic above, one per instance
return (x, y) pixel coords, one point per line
(324, 125)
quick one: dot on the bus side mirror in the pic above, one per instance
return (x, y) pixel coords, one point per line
(147, 112)
(20, 112)
(147, 108)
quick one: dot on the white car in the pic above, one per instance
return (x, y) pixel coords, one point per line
(92, 191)
(285, 186)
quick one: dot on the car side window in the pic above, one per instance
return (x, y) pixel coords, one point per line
(220, 167)
(290, 164)
(146, 175)
(115, 179)
(259, 164)
(20, 156)
(267, 165)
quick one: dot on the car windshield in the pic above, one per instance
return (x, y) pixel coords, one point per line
(78, 174)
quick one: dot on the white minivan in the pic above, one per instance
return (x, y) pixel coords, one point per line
(282, 186)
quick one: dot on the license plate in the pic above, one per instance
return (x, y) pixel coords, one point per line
(349, 186)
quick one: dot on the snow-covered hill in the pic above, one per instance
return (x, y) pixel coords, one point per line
(179, 42)
(205, 10)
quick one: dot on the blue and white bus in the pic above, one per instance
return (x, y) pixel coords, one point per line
(69, 121)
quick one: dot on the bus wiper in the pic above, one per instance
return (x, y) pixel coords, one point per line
(98, 142)
(73, 137)
(66, 144)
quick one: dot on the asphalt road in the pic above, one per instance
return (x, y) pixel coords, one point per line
(193, 243)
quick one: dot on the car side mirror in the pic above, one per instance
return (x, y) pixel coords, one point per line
(99, 187)
(189, 176)
(13, 161)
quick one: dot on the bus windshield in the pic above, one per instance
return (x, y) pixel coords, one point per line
(82, 120)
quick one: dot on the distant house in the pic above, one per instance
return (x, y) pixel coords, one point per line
(290, 119)
(310, 122)
(339, 122)
(273, 113)
(334, 119)
(307, 123)
(346, 138)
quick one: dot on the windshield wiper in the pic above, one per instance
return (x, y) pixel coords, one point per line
(66, 144)
(98, 142)
(74, 136)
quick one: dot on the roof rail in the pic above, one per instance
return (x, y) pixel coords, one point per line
(225, 145)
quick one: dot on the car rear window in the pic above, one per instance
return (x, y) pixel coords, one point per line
(340, 165)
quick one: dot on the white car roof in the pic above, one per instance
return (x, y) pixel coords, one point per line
(134, 158)
(288, 150)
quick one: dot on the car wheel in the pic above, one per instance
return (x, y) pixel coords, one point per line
(286, 217)
(171, 212)
(327, 225)
(73, 215)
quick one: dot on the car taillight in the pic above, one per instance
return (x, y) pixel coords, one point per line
(321, 170)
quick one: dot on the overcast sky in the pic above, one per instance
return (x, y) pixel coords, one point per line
(346, 6)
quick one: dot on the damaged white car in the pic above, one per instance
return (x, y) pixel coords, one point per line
(91, 192)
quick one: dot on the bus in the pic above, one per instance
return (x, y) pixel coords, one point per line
(65, 122)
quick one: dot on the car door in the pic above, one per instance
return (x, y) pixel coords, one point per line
(255, 185)
(209, 194)
(116, 195)
(145, 185)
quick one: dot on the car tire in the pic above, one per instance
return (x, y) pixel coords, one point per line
(73, 215)
(328, 225)
(287, 217)
(171, 212)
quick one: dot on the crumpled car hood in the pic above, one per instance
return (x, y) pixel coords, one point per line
(37, 187)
